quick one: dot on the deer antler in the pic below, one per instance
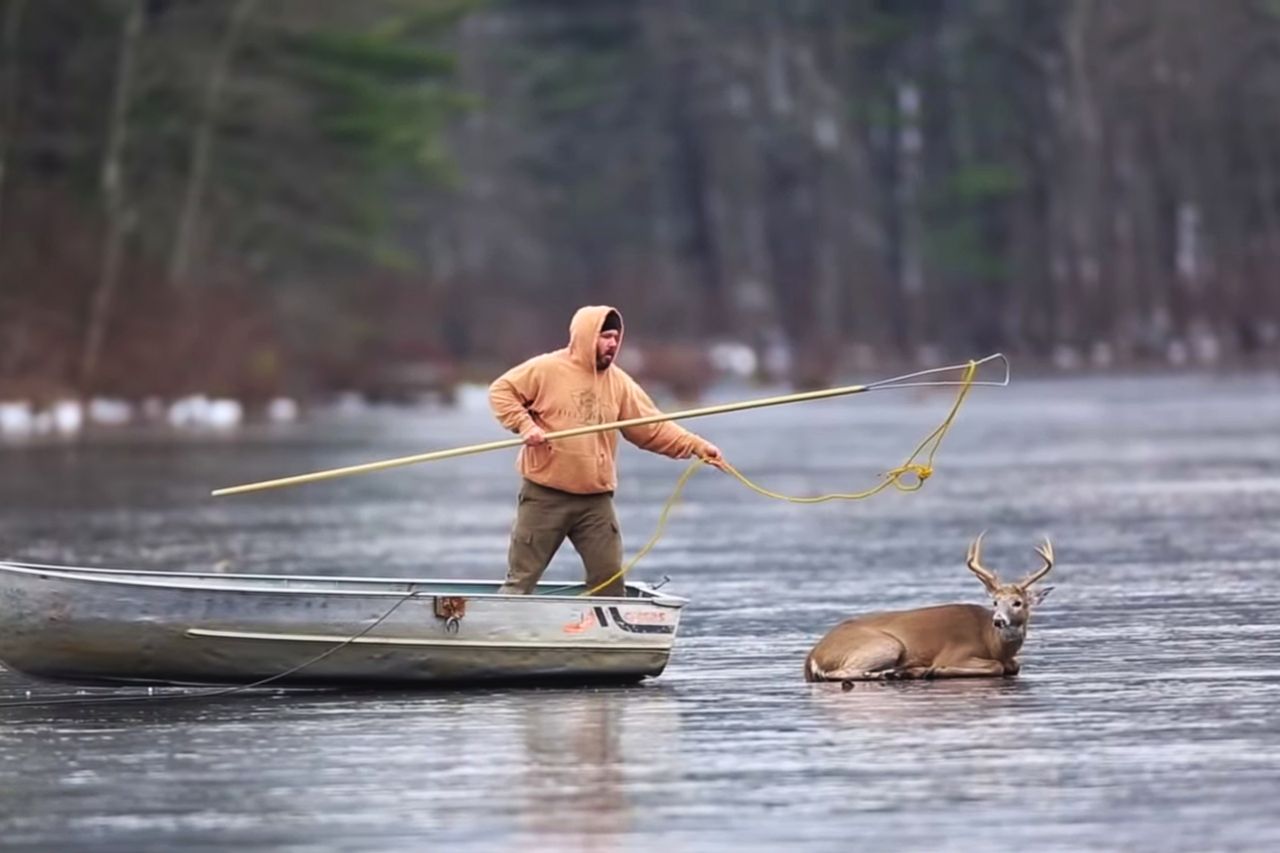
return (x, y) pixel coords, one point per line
(988, 577)
(1046, 553)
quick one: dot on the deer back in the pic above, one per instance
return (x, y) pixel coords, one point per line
(928, 634)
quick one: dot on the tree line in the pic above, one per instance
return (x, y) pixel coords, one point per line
(266, 192)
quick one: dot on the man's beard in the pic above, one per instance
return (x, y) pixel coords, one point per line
(603, 361)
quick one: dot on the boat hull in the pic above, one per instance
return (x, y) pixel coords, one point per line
(94, 626)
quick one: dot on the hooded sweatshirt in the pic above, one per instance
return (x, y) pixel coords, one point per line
(562, 390)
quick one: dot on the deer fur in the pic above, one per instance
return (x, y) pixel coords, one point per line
(946, 641)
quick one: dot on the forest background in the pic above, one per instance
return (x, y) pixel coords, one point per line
(251, 198)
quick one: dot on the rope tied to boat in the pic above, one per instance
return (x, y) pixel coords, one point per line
(220, 691)
(910, 476)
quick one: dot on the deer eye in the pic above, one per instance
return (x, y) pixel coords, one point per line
(1017, 604)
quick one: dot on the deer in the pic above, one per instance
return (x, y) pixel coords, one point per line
(945, 641)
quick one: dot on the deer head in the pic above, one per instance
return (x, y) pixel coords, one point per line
(1012, 602)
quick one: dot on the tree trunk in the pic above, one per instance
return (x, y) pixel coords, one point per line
(202, 145)
(119, 218)
(9, 97)
(1085, 150)
(913, 324)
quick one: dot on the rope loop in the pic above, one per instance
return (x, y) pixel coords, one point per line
(920, 472)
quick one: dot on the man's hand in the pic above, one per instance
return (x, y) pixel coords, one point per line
(712, 456)
(534, 436)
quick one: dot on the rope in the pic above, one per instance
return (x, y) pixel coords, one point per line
(896, 478)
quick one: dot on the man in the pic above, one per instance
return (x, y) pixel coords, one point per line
(569, 483)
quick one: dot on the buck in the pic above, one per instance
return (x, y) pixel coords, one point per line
(947, 641)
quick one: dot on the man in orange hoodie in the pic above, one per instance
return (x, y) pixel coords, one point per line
(569, 483)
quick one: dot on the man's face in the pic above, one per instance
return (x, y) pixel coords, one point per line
(607, 348)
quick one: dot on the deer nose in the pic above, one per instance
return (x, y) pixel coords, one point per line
(1000, 621)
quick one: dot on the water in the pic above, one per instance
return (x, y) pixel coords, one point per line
(1145, 717)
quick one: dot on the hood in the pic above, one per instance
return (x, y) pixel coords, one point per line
(584, 328)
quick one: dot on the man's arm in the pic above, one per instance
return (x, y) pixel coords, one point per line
(511, 395)
(665, 437)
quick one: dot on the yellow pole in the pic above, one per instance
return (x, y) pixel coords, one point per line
(369, 467)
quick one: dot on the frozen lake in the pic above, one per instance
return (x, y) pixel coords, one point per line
(1147, 715)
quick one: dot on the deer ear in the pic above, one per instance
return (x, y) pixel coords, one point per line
(1039, 594)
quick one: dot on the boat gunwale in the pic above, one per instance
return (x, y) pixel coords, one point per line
(137, 578)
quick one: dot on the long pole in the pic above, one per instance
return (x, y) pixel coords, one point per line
(383, 465)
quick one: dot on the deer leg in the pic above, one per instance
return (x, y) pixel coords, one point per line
(874, 658)
(971, 668)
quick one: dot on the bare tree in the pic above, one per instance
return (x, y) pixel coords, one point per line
(202, 142)
(116, 211)
(9, 92)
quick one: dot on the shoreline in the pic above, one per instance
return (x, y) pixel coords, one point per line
(24, 422)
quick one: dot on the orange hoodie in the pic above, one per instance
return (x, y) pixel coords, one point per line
(563, 389)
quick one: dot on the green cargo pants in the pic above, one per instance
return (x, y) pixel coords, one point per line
(544, 517)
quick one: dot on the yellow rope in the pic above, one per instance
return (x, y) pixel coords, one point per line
(895, 478)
